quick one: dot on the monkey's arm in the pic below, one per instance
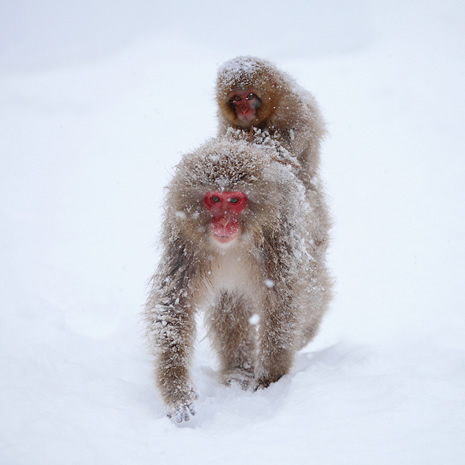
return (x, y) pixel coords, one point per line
(171, 326)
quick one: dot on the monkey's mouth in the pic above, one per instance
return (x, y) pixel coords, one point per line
(246, 117)
(223, 239)
(225, 234)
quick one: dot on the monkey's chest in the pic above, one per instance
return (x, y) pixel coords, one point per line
(231, 271)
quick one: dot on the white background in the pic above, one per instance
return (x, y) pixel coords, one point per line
(98, 102)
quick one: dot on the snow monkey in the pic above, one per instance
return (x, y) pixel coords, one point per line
(267, 105)
(239, 241)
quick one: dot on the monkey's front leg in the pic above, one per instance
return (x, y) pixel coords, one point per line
(277, 342)
(174, 337)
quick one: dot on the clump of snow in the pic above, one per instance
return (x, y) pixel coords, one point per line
(254, 319)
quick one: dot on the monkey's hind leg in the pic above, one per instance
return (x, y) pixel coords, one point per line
(277, 337)
(233, 336)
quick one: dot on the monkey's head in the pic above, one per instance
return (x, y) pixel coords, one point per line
(229, 193)
(247, 91)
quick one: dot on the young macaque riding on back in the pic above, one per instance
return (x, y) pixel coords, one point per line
(255, 97)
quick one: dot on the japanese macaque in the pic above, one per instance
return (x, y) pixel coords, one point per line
(240, 240)
(266, 105)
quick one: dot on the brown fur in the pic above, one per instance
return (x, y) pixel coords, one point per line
(274, 270)
(290, 115)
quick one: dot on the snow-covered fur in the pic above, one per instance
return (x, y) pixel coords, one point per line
(289, 115)
(264, 293)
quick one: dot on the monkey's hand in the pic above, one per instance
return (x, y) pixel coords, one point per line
(183, 410)
(238, 376)
(181, 413)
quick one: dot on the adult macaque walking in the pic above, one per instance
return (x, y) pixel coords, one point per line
(240, 239)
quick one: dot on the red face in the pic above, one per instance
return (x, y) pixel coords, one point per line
(245, 103)
(225, 208)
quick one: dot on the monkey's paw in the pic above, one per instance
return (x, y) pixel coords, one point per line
(238, 375)
(182, 411)
(265, 381)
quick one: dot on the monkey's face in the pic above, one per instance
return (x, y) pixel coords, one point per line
(225, 209)
(246, 104)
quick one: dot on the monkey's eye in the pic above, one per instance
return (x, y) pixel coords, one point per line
(251, 96)
(233, 200)
(235, 98)
(215, 199)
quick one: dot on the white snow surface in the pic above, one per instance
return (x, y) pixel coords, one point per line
(99, 101)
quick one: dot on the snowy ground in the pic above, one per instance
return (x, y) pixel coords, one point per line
(98, 102)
